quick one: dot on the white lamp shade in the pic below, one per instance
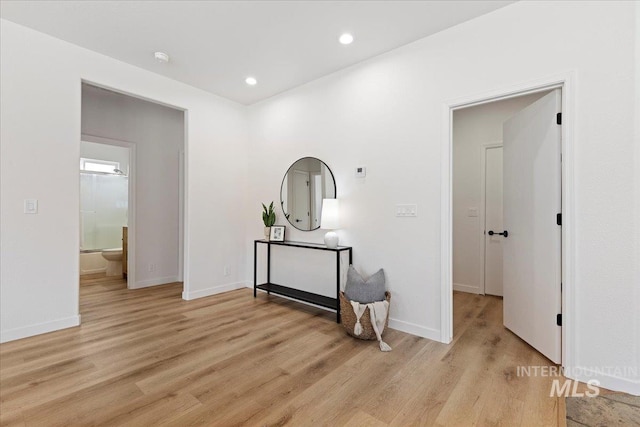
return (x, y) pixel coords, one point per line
(330, 219)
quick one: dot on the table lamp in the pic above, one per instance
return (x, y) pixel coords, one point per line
(330, 221)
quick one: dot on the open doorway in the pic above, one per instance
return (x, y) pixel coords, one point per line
(478, 259)
(477, 193)
(140, 242)
(105, 204)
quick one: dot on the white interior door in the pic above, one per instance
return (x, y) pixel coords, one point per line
(493, 221)
(532, 250)
(316, 199)
(301, 199)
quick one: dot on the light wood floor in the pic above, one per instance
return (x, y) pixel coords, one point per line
(146, 357)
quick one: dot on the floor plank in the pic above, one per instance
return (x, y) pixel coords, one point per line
(612, 409)
(146, 357)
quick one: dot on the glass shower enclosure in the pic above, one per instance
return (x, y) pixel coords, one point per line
(103, 210)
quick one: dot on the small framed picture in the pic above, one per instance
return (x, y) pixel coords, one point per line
(277, 233)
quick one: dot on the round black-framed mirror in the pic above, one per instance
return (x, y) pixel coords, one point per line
(307, 181)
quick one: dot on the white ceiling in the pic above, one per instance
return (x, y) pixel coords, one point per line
(214, 45)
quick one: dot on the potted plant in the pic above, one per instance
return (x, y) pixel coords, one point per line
(269, 219)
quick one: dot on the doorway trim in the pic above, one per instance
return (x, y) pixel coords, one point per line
(564, 81)
(183, 216)
(131, 199)
(483, 209)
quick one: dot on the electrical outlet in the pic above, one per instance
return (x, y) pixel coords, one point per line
(226, 270)
(151, 267)
(31, 206)
(406, 210)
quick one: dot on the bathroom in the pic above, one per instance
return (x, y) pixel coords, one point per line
(104, 194)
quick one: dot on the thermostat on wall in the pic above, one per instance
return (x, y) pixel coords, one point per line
(361, 171)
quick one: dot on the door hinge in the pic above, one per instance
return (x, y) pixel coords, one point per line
(559, 219)
(559, 319)
(559, 118)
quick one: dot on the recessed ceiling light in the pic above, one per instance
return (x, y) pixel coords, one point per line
(161, 57)
(251, 81)
(346, 38)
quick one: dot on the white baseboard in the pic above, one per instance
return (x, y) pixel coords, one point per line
(413, 329)
(608, 381)
(154, 282)
(212, 291)
(467, 288)
(39, 328)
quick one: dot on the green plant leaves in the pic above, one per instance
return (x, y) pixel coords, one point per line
(268, 215)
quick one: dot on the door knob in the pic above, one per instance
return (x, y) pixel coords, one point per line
(505, 233)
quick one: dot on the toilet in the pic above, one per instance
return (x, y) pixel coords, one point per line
(114, 261)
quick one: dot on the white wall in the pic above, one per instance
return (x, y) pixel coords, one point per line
(40, 106)
(387, 114)
(473, 127)
(158, 135)
(636, 139)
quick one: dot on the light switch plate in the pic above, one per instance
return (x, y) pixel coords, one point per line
(361, 171)
(31, 206)
(407, 210)
(473, 212)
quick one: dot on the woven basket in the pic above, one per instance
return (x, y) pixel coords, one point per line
(348, 318)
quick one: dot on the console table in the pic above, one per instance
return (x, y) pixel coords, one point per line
(298, 294)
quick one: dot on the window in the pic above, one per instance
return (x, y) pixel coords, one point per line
(93, 165)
